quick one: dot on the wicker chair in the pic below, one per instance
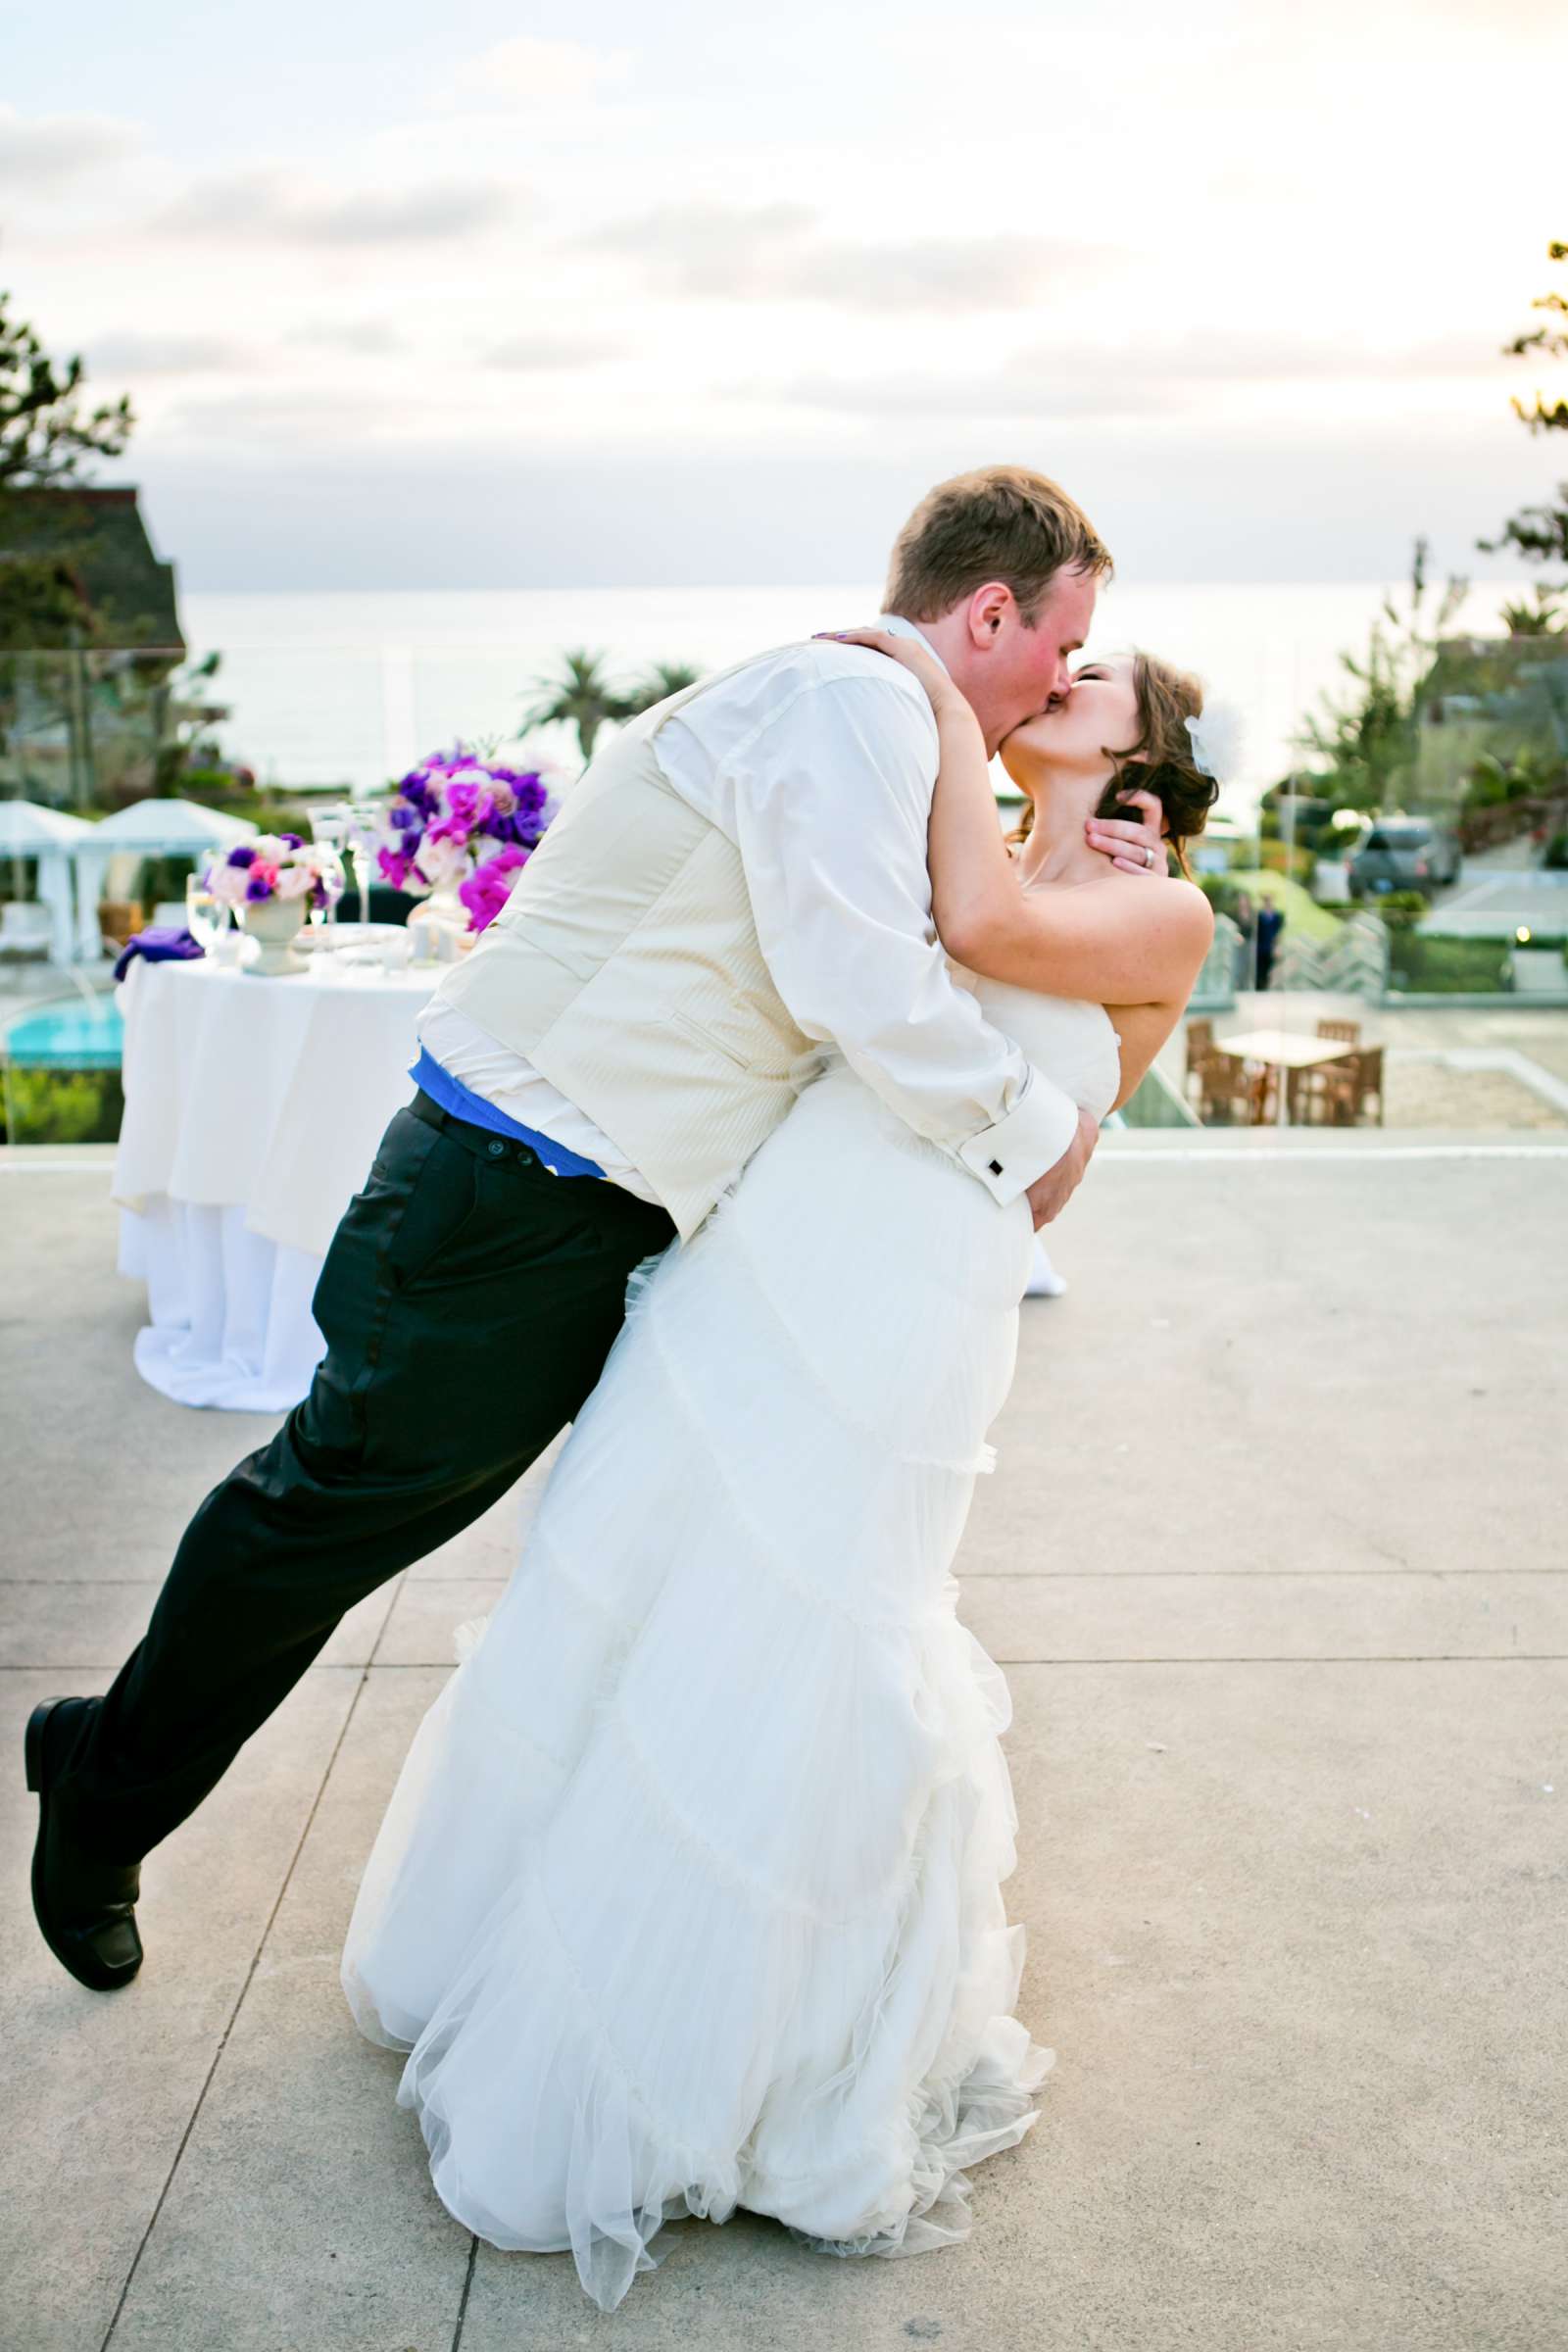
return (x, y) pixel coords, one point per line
(1346, 1088)
(118, 919)
(1316, 1093)
(1200, 1049)
(1227, 1094)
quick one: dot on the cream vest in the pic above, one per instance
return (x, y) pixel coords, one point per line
(625, 968)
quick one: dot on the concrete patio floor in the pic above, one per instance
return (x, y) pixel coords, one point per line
(1274, 1561)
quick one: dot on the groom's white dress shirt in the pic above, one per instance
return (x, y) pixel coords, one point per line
(842, 904)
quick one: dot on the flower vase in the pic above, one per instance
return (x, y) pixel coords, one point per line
(439, 925)
(275, 923)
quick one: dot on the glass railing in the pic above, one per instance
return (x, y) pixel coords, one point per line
(1280, 1030)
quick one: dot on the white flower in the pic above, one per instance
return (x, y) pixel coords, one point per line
(295, 878)
(441, 861)
(1216, 738)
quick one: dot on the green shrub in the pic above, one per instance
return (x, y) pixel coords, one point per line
(1431, 967)
(1421, 964)
(1556, 855)
(1400, 909)
(62, 1107)
(1276, 858)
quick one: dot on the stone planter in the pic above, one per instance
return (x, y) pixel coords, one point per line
(275, 923)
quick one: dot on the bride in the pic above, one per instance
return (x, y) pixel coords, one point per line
(689, 1893)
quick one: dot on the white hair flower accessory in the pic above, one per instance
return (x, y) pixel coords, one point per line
(1216, 739)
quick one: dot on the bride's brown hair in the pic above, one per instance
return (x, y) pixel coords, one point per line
(1160, 760)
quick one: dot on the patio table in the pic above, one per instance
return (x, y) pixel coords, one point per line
(1283, 1049)
(253, 1111)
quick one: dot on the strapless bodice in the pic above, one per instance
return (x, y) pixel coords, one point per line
(1068, 1038)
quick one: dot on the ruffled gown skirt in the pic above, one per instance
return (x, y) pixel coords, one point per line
(689, 1893)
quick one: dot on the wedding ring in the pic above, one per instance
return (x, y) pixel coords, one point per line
(1148, 855)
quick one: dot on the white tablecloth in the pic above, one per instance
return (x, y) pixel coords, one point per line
(253, 1111)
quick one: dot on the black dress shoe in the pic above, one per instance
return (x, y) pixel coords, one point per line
(85, 1908)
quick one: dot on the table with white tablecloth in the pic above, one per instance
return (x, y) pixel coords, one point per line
(252, 1111)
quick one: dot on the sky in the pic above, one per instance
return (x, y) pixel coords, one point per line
(500, 296)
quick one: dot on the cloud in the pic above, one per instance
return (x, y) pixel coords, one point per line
(705, 250)
(940, 273)
(60, 147)
(366, 335)
(1164, 374)
(135, 353)
(1235, 356)
(1008, 395)
(541, 354)
(277, 423)
(527, 72)
(354, 511)
(262, 204)
(717, 251)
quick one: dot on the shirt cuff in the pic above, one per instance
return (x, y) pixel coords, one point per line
(1010, 1157)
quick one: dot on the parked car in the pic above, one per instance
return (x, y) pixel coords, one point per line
(1403, 853)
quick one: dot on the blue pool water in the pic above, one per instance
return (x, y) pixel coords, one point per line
(72, 1036)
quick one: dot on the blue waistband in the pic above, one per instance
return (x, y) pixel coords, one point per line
(463, 1103)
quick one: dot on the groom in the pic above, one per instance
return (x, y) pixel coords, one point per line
(739, 880)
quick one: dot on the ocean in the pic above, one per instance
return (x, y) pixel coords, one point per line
(350, 689)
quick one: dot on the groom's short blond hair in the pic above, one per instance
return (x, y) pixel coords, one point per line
(1001, 523)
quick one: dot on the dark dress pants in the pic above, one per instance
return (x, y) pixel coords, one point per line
(469, 1300)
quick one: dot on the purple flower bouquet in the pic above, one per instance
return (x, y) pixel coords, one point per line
(461, 823)
(276, 865)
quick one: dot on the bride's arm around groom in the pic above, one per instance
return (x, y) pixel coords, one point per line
(831, 809)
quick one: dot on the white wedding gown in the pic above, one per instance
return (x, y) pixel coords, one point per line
(689, 1893)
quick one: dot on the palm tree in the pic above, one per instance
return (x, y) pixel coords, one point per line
(583, 698)
(658, 683)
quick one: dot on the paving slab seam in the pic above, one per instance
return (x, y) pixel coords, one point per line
(1273, 1155)
(473, 2242)
(1045, 1576)
(1419, 1657)
(971, 1576)
(468, 2289)
(393, 1588)
(223, 2039)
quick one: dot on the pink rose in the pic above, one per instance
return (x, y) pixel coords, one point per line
(469, 803)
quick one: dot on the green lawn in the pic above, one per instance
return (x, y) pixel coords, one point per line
(1302, 915)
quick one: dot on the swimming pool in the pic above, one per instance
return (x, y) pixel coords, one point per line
(72, 1035)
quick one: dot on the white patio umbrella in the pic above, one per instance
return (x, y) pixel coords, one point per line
(28, 829)
(154, 828)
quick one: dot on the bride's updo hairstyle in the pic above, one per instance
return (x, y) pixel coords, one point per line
(1160, 760)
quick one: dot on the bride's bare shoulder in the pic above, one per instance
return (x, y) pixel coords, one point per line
(1179, 901)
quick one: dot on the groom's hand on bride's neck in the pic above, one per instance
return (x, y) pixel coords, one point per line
(1133, 844)
(1050, 1193)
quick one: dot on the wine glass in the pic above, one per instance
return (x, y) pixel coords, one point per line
(367, 816)
(322, 919)
(205, 914)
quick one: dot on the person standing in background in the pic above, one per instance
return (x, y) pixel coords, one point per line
(1265, 937)
(1243, 917)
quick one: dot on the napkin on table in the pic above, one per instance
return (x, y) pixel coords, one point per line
(161, 942)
